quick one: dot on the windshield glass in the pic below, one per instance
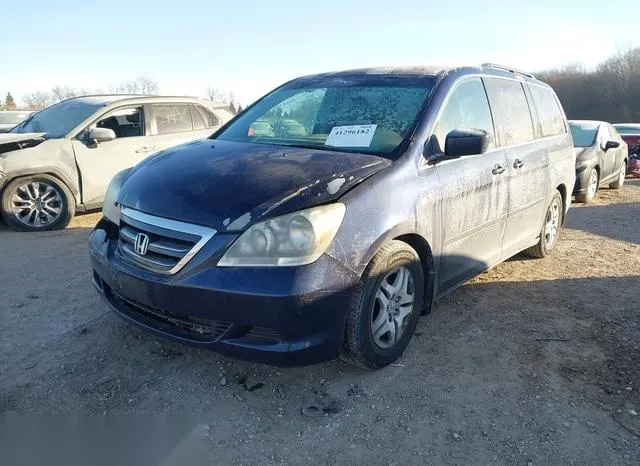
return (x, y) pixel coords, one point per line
(584, 134)
(58, 119)
(12, 118)
(366, 114)
(627, 129)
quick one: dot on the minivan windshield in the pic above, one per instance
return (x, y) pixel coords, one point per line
(584, 134)
(365, 114)
(57, 120)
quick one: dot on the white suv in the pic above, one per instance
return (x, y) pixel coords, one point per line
(61, 159)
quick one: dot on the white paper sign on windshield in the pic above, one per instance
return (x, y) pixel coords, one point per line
(351, 136)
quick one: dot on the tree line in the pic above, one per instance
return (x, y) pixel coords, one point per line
(610, 92)
(142, 85)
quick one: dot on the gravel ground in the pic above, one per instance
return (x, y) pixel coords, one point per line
(533, 362)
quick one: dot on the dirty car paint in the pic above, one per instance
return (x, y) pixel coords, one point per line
(228, 185)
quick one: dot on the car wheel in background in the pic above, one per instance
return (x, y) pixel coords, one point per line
(592, 187)
(385, 308)
(621, 176)
(37, 203)
(550, 229)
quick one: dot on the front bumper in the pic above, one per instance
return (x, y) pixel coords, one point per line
(633, 169)
(275, 315)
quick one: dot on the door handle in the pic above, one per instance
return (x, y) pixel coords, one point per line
(518, 163)
(498, 169)
(143, 149)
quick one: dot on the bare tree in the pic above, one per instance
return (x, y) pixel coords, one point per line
(147, 85)
(216, 95)
(37, 100)
(141, 85)
(60, 93)
(224, 97)
(610, 92)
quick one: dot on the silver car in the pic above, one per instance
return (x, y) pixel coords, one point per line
(11, 118)
(60, 160)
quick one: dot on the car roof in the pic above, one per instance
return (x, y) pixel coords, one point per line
(106, 99)
(486, 69)
(632, 125)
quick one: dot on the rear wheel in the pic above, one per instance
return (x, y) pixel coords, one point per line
(385, 307)
(550, 229)
(621, 176)
(592, 188)
(37, 203)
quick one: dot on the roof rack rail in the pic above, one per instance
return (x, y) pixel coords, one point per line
(507, 68)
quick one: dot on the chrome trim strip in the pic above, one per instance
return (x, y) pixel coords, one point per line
(204, 233)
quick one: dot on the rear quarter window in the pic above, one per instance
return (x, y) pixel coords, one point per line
(211, 121)
(510, 109)
(549, 113)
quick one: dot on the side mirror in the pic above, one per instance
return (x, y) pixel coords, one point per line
(461, 142)
(611, 145)
(101, 134)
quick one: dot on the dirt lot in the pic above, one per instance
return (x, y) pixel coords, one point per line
(534, 362)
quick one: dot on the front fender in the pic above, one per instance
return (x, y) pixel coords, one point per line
(54, 157)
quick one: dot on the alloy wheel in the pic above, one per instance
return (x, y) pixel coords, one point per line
(592, 187)
(393, 304)
(36, 204)
(552, 223)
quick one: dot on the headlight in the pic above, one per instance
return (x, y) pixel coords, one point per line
(110, 209)
(298, 238)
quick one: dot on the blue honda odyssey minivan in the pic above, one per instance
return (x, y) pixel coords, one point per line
(326, 218)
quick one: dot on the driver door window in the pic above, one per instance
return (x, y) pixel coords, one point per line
(467, 108)
(124, 122)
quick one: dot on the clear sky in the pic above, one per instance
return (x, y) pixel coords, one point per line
(250, 46)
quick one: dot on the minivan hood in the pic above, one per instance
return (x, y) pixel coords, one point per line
(15, 141)
(230, 185)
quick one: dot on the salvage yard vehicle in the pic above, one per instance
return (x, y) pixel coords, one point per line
(601, 158)
(629, 132)
(9, 119)
(394, 187)
(60, 160)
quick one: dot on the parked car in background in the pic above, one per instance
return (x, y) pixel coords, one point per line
(601, 158)
(61, 159)
(376, 192)
(630, 133)
(9, 119)
(633, 167)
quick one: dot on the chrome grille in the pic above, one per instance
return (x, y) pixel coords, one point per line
(169, 244)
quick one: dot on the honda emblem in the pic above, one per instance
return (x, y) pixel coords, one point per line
(141, 244)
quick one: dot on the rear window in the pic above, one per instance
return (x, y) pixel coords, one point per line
(549, 113)
(510, 110)
(210, 119)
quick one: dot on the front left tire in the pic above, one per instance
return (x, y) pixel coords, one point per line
(37, 203)
(621, 176)
(385, 308)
